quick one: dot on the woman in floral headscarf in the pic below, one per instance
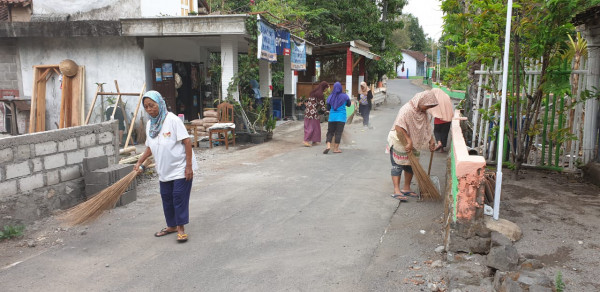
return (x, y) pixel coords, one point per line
(169, 142)
(312, 118)
(412, 122)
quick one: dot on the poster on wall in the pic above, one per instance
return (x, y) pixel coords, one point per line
(158, 74)
(167, 71)
(266, 42)
(298, 56)
(282, 42)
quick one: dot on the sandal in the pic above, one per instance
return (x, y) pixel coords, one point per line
(400, 197)
(182, 237)
(164, 232)
(410, 194)
(326, 151)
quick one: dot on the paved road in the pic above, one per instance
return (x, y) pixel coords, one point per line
(274, 217)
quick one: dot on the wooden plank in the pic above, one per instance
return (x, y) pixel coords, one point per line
(112, 117)
(75, 99)
(41, 107)
(82, 86)
(115, 93)
(32, 112)
(45, 66)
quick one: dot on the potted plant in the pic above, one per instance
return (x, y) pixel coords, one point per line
(270, 126)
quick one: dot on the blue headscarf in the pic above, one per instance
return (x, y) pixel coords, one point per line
(255, 88)
(337, 98)
(156, 122)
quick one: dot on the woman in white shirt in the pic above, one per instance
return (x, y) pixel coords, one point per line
(169, 142)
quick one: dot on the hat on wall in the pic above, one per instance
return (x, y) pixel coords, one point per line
(68, 67)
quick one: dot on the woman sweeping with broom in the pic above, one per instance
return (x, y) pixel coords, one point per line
(414, 129)
(169, 143)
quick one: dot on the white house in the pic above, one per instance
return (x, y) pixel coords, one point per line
(413, 64)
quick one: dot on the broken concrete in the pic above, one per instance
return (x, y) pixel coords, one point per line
(505, 227)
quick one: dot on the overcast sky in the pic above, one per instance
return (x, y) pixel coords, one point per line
(429, 14)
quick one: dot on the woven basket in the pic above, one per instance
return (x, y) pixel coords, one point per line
(68, 67)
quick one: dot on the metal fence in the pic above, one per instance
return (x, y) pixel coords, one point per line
(560, 121)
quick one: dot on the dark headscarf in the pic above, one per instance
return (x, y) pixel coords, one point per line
(156, 122)
(318, 91)
(337, 98)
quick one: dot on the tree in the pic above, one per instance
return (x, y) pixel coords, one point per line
(415, 31)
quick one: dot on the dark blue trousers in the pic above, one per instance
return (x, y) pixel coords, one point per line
(176, 201)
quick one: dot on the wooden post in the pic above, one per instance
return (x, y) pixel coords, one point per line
(32, 112)
(87, 120)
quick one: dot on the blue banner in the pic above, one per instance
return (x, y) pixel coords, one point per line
(438, 56)
(298, 56)
(282, 42)
(266, 42)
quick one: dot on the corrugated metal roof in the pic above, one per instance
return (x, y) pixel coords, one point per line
(3, 13)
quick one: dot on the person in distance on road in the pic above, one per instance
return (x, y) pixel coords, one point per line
(336, 104)
(315, 107)
(364, 102)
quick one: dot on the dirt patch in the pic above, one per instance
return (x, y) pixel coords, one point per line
(560, 218)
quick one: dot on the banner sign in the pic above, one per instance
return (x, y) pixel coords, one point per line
(298, 56)
(282, 41)
(266, 42)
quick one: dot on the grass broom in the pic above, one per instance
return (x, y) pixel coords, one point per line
(106, 199)
(426, 186)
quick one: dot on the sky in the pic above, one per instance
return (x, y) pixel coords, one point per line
(429, 14)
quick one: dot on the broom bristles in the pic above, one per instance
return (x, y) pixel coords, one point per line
(428, 190)
(104, 200)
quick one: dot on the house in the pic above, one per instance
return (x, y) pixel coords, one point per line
(413, 64)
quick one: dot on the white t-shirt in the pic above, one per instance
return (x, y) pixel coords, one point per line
(168, 150)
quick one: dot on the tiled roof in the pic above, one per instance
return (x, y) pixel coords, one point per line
(22, 3)
(420, 57)
(587, 15)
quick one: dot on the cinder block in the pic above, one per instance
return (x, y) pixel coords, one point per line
(8, 188)
(127, 198)
(67, 145)
(32, 182)
(87, 140)
(95, 151)
(93, 163)
(45, 148)
(6, 155)
(108, 176)
(37, 164)
(75, 157)
(70, 173)
(23, 152)
(106, 137)
(17, 170)
(93, 189)
(52, 178)
(54, 161)
(109, 150)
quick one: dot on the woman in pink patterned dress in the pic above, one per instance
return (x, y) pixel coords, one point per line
(312, 119)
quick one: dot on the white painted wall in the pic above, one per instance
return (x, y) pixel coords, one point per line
(153, 8)
(85, 9)
(410, 63)
(105, 59)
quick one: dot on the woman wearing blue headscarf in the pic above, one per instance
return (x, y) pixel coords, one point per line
(169, 142)
(336, 104)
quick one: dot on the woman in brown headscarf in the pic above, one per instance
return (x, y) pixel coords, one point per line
(364, 102)
(312, 118)
(412, 121)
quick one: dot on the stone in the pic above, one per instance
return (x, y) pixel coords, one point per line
(534, 278)
(498, 239)
(538, 288)
(504, 258)
(531, 264)
(432, 287)
(437, 264)
(510, 286)
(505, 227)
(31, 243)
(439, 249)
(466, 273)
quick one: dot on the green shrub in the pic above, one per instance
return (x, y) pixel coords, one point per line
(11, 231)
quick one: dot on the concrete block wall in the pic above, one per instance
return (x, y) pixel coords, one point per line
(465, 229)
(9, 78)
(43, 172)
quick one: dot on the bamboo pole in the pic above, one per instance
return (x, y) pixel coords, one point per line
(560, 126)
(127, 150)
(112, 117)
(552, 119)
(544, 137)
(137, 108)
(87, 120)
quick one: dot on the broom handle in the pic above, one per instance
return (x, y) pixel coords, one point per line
(430, 161)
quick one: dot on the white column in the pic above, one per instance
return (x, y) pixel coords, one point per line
(295, 83)
(288, 75)
(591, 105)
(264, 73)
(229, 64)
